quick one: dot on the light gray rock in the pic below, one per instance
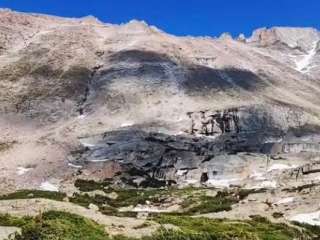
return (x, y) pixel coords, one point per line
(7, 233)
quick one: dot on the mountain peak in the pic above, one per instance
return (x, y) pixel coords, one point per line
(294, 37)
(139, 27)
(91, 20)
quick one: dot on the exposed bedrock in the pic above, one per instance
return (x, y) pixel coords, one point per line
(216, 144)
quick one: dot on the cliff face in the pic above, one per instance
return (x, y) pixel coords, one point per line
(62, 79)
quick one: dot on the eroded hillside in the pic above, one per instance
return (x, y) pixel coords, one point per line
(132, 107)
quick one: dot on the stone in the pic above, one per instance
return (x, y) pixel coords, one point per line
(93, 207)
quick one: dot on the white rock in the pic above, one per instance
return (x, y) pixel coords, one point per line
(285, 200)
(89, 145)
(265, 184)
(303, 64)
(74, 165)
(21, 170)
(309, 218)
(47, 186)
(8, 232)
(181, 172)
(257, 176)
(191, 181)
(93, 207)
(127, 124)
(149, 209)
(222, 182)
(280, 166)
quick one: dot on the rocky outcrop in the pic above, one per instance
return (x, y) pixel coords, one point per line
(156, 159)
(158, 156)
(213, 146)
(299, 38)
(210, 123)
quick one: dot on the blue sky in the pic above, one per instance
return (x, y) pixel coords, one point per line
(185, 17)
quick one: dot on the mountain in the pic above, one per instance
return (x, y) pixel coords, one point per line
(130, 103)
(118, 118)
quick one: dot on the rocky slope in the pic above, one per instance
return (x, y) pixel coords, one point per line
(82, 98)
(136, 110)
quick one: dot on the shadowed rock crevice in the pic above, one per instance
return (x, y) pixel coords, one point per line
(191, 78)
(202, 79)
(134, 56)
(143, 67)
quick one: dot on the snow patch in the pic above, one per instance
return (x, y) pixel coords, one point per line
(181, 172)
(86, 144)
(285, 200)
(257, 176)
(98, 160)
(309, 218)
(191, 181)
(273, 140)
(265, 184)
(222, 182)
(47, 186)
(280, 166)
(21, 170)
(74, 165)
(127, 124)
(303, 64)
(149, 209)
(179, 133)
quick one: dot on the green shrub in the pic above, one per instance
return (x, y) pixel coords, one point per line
(61, 226)
(28, 194)
(10, 221)
(55, 225)
(257, 228)
(90, 185)
(202, 203)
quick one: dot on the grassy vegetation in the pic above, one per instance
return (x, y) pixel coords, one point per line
(309, 228)
(10, 221)
(132, 197)
(125, 198)
(206, 204)
(65, 226)
(28, 194)
(4, 146)
(90, 185)
(55, 226)
(243, 193)
(277, 214)
(257, 228)
(195, 201)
